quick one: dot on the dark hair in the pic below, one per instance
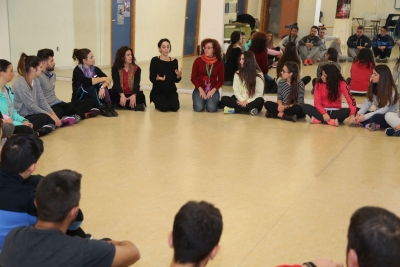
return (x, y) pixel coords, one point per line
(294, 82)
(386, 87)
(242, 33)
(162, 41)
(360, 28)
(295, 27)
(119, 60)
(235, 38)
(385, 28)
(80, 54)
(333, 78)
(323, 28)
(332, 54)
(216, 47)
(25, 63)
(315, 27)
(270, 44)
(20, 151)
(364, 58)
(259, 42)
(374, 234)
(249, 72)
(252, 32)
(57, 194)
(45, 53)
(196, 231)
(289, 55)
(4, 65)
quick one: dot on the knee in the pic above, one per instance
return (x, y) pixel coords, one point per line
(174, 108)
(162, 108)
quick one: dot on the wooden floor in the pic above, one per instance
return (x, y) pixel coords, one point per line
(286, 190)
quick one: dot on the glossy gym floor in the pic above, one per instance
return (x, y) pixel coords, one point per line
(286, 190)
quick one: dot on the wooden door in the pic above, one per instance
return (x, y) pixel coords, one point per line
(289, 12)
(264, 16)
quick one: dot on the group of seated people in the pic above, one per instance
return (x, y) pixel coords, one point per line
(40, 223)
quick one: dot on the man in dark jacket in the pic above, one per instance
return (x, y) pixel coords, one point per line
(382, 45)
(357, 42)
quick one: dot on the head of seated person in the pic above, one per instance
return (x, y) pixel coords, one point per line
(196, 233)
(332, 55)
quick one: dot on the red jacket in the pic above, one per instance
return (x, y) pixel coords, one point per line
(262, 60)
(199, 74)
(360, 78)
(321, 100)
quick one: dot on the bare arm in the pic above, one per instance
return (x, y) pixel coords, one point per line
(126, 253)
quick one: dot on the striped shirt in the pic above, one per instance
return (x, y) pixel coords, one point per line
(284, 91)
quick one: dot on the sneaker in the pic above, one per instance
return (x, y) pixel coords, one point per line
(139, 107)
(67, 121)
(305, 62)
(333, 122)
(314, 121)
(76, 117)
(378, 58)
(392, 132)
(228, 110)
(385, 60)
(310, 61)
(292, 118)
(52, 126)
(274, 65)
(105, 111)
(45, 130)
(254, 111)
(94, 112)
(373, 126)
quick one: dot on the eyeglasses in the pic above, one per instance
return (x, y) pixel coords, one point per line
(208, 47)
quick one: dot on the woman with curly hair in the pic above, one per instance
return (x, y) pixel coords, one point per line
(291, 55)
(126, 77)
(360, 72)
(290, 95)
(382, 92)
(232, 57)
(328, 99)
(207, 76)
(259, 49)
(248, 87)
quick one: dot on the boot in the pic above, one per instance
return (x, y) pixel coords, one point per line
(104, 111)
(286, 117)
(139, 107)
(111, 110)
(270, 115)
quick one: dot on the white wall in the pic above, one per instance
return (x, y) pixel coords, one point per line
(155, 20)
(35, 25)
(5, 34)
(212, 20)
(254, 8)
(305, 16)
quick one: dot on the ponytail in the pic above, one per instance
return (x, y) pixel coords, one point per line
(80, 54)
(25, 63)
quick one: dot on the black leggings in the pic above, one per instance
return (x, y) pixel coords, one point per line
(166, 102)
(23, 129)
(79, 107)
(230, 101)
(38, 120)
(377, 118)
(272, 108)
(115, 98)
(340, 114)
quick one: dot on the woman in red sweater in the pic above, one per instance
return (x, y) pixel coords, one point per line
(361, 71)
(207, 76)
(259, 49)
(328, 99)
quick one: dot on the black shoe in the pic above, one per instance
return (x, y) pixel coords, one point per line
(112, 110)
(139, 107)
(289, 118)
(45, 130)
(104, 111)
(269, 115)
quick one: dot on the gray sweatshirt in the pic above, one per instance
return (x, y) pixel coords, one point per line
(367, 104)
(29, 101)
(48, 85)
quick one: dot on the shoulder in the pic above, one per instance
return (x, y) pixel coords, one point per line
(282, 82)
(155, 59)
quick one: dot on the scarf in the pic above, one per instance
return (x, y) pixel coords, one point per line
(209, 60)
(89, 73)
(131, 76)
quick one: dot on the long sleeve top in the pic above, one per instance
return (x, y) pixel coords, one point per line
(354, 41)
(323, 47)
(48, 85)
(5, 107)
(383, 110)
(316, 41)
(117, 81)
(231, 65)
(240, 90)
(160, 67)
(396, 77)
(322, 102)
(284, 91)
(79, 79)
(288, 39)
(385, 40)
(199, 74)
(360, 77)
(29, 101)
(262, 60)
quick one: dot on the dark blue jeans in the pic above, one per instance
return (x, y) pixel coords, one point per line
(211, 104)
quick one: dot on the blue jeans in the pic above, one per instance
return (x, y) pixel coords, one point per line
(211, 104)
(267, 77)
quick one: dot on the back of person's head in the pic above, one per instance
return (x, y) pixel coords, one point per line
(258, 42)
(4, 65)
(20, 151)
(196, 232)
(374, 235)
(333, 54)
(365, 57)
(119, 60)
(80, 54)
(235, 38)
(289, 55)
(57, 194)
(45, 54)
(25, 64)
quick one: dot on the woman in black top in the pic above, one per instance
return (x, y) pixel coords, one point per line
(126, 77)
(88, 81)
(164, 74)
(232, 58)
